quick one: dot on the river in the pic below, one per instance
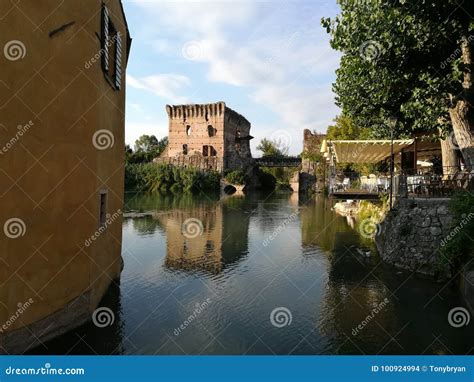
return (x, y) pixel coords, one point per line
(261, 274)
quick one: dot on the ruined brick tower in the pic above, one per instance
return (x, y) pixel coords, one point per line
(207, 136)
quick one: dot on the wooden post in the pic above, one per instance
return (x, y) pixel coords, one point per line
(415, 155)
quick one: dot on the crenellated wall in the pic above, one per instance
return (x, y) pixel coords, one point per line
(202, 131)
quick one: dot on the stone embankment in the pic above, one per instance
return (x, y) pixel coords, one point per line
(412, 235)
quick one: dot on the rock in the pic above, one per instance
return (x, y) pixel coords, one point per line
(443, 210)
(426, 222)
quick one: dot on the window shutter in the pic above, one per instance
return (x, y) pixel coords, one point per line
(118, 61)
(105, 39)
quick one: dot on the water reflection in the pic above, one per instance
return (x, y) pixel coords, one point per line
(254, 254)
(90, 339)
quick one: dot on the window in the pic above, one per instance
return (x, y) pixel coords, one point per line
(111, 51)
(205, 150)
(212, 151)
(211, 131)
(188, 130)
(103, 208)
(185, 149)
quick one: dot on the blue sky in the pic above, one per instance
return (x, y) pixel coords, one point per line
(268, 60)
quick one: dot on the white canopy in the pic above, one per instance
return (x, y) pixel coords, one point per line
(364, 151)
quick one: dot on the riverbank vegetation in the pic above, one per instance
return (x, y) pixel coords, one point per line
(163, 177)
(457, 247)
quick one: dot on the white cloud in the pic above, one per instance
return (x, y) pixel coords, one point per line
(168, 86)
(276, 51)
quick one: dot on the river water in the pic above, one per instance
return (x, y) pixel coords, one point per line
(261, 274)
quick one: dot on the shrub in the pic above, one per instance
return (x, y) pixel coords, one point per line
(235, 177)
(459, 247)
(163, 177)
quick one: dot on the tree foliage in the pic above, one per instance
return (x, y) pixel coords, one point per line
(345, 129)
(147, 148)
(273, 148)
(163, 177)
(400, 57)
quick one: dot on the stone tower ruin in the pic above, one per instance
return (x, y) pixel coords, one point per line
(207, 136)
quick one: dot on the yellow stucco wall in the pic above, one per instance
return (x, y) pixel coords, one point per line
(52, 174)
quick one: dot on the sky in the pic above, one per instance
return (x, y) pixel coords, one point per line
(268, 60)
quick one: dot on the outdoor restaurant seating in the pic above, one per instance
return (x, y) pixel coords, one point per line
(421, 185)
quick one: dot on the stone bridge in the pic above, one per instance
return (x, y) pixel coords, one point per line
(278, 161)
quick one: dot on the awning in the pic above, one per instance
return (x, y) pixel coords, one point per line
(364, 151)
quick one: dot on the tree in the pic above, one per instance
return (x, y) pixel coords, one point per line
(344, 128)
(147, 148)
(408, 58)
(272, 148)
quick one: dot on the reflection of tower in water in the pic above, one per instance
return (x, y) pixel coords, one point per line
(204, 238)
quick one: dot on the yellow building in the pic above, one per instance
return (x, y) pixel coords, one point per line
(62, 105)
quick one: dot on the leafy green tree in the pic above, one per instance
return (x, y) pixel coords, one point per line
(410, 58)
(147, 148)
(272, 148)
(345, 129)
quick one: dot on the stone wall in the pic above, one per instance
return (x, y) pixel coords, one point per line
(410, 236)
(311, 144)
(208, 130)
(196, 161)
